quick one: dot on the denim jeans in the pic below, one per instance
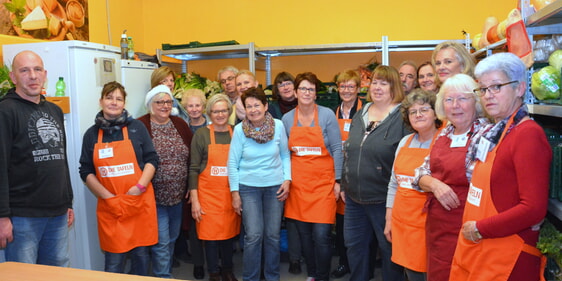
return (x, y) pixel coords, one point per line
(39, 240)
(169, 223)
(340, 244)
(360, 221)
(216, 248)
(294, 241)
(261, 214)
(115, 262)
(317, 249)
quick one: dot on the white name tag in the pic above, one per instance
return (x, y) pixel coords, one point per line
(405, 181)
(346, 126)
(219, 171)
(106, 153)
(305, 150)
(459, 141)
(117, 170)
(474, 195)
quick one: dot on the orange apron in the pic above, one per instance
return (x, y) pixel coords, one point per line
(344, 130)
(408, 217)
(489, 259)
(312, 189)
(124, 221)
(220, 221)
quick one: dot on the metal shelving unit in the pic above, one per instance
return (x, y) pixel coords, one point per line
(385, 47)
(210, 53)
(547, 21)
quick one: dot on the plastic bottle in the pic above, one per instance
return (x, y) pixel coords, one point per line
(124, 45)
(61, 86)
(131, 48)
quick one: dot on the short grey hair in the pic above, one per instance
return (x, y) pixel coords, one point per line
(461, 83)
(508, 63)
(217, 98)
(225, 69)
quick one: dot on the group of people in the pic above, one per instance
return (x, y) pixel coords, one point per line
(440, 171)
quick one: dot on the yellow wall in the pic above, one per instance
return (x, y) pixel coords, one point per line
(289, 22)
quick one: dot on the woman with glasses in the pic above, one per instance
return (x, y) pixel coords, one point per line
(348, 82)
(508, 194)
(427, 78)
(374, 134)
(172, 139)
(283, 96)
(450, 58)
(211, 202)
(117, 164)
(446, 172)
(259, 174)
(405, 218)
(315, 144)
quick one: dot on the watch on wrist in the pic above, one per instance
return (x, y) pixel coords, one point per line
(476, 232)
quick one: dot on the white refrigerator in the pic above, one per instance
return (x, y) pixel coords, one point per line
(86, 67)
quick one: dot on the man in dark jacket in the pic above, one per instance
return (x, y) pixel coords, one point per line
(35, 190)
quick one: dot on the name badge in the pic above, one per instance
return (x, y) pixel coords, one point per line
(106, 152)
(474, 195)
(459, 141)
(483, 148)
(346, 126)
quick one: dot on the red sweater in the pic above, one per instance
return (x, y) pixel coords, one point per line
(519, 188)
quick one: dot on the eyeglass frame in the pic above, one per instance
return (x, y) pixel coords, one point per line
(482, 90)
(422, 110)
(305, 89)
(163, 102)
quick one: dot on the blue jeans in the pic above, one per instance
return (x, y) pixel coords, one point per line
(315, 241)
(39, 240)
(212, 250)
(261, 214)
(169, 223)
(360, 221)
(294, 241)
(115, 262)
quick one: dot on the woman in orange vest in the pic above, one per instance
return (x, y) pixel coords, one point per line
(348, 82)
(117, 163)
(211, 202)
(405, 218)
(316, 161)
(444, 173)
(508, 195)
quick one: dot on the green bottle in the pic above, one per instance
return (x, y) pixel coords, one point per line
(60, 86)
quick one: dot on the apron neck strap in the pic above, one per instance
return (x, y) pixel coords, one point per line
(296, 121)
(212, 132)
(124, 130)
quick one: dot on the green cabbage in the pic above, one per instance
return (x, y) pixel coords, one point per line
(545, 83)
(555, 59)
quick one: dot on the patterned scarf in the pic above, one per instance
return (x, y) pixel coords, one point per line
(493, 132)
(111, 126)
(261, 134)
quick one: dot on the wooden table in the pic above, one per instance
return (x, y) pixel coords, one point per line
(15, 271)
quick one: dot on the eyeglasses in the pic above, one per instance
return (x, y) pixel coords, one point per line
(460, 100)
(164, 102)
(229, 78)
(304, 89)
(217, 112)
(492, 89)
(284, 84)
(422, 111)
(348, 87)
